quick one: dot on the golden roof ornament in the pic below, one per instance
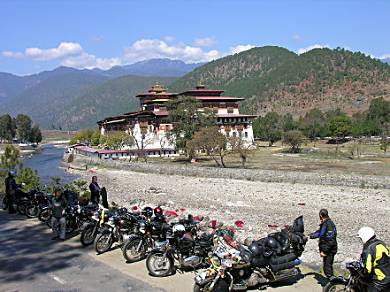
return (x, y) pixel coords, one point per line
(157, 88)
(200, 85)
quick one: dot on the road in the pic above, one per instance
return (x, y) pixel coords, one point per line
(31, 261)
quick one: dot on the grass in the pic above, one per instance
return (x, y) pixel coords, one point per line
(364, 159)
(56, 135)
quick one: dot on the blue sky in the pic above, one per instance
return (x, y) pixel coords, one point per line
(41, 35)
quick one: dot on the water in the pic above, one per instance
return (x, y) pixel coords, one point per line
(49, 163)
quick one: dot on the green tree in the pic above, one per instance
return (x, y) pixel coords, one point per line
(186, 118)
(313, 123)
(7, 128)
(116, 140)
(379, 110)
(294, 139)
(35, 135)
(8, 160)
(23, 125)
(340, 126)
(29, 177)
(268, 128)
(211, 141)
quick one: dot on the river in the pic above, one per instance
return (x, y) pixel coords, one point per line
(48, 162)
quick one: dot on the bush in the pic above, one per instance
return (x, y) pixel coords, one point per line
(294, 139)
(30, 178)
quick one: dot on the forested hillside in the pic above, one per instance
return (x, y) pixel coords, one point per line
(275, 79)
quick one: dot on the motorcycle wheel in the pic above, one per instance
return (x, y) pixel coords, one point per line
(221, 286)
(103, 242)
(21, 207)
(32, 211)
(44, 215)
(87, 236)
(4, 205)
(336, 287)
(134, 249)
(159, 265)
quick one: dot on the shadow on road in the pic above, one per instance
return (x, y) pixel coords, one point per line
(23, 261)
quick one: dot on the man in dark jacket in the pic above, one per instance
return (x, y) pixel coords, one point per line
(10, 190)
(376, 261)
(59, 205)
(95, 190)
(327, 235)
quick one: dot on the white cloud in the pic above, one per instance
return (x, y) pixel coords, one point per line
(89, 61)
(385, 56)
(239, 49)
(154, 48)
(309, 48)
(72, 54)
(63, 50)
(9, 54)
(205, 42)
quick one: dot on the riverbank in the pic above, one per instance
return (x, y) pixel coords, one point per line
(259, 203)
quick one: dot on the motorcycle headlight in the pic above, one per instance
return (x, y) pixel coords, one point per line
(216, 261)
(228, 263)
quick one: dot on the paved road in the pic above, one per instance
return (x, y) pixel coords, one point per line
(31, 261)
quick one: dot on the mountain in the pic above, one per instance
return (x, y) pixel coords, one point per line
(56, 98)
(112, 97)
(276, 79)
(153, 67)
(386, 60)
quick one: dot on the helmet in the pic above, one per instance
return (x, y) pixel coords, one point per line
(271, 243)
(136, 210)
(147, 212)
(11, 172)
(123, 210)
(158, 211)
(366, 233)
(179, 230)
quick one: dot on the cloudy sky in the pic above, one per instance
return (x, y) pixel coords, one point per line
(43, 34)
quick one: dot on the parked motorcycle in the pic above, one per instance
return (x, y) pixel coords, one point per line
(238, 267)
(92, 228)
(118, 225)
(148, 231)
(183, 249)
(354, 282)
(38, 201)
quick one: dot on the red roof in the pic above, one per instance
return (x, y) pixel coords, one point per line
(218, 98)
(235, 116)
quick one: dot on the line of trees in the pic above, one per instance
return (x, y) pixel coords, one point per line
(21, 128)
(334, 123)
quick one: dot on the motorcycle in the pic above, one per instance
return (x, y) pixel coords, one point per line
(119, 224)
(148, 231)
(38, 201)
(355, 282)
(92, 228)
(235, 267)
(183, 247)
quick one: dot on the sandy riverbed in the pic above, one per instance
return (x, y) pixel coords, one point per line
(258, 204)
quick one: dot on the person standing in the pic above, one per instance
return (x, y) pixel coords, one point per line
(59, 205)
(95, 190)
(327, 235)
(10, 190)
(375, 258)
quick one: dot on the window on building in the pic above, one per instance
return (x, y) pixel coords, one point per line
(246, 134)
(240, 134)
(234, 134)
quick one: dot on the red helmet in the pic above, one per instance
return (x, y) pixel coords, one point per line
(158, 211)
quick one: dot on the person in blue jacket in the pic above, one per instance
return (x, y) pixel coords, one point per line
(327, 235)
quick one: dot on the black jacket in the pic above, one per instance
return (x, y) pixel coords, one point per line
(327, 234)
(10, 185)
(95, 189)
